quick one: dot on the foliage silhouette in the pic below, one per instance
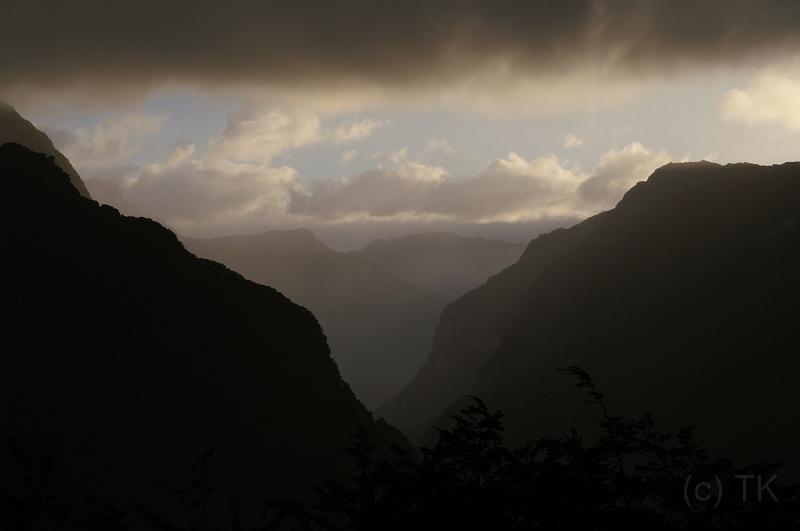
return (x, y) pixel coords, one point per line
(631, 477)
(28, 505)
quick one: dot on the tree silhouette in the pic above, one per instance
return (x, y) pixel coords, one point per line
(631, 476)
(29, 505)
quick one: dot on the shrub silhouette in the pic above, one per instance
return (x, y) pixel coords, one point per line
(631, 476)
(30, 506)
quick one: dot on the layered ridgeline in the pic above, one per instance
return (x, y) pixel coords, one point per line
(125, 357)
(681, 301)
(15, 128)
(379, 327)
(442, 262)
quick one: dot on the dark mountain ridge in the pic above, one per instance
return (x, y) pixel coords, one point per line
(15, 128)
(681, 301)
(125, 357)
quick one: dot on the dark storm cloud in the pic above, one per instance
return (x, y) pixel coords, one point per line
(49, 43)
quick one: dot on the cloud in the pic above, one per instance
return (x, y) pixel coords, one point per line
(440, 145)
(393, 157)
(616, 172)
(107, 144)
(773, 97)
(571, 141)
(126, 46)
(510, 189)
(196, 194)
(235, 184)
(348, 156)
(355, 131)
(234, 181)
(256, 136)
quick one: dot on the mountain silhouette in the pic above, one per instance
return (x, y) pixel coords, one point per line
(681, 301)
(15, 128)
(125, 356)
(442, 262)
(379, 327)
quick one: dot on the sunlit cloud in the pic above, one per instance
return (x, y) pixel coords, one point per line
(572, 141)
(509, 189)
(354, 131)
(616, 172)
(108, 143)
(773, 97)
(440, 145)
(257, 136)
(237, 181)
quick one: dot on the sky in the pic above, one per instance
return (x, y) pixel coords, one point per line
(375, 119)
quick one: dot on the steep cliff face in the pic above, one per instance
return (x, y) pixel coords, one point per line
(379, 327)
(15, 128)
(680, 301)
(125, 356)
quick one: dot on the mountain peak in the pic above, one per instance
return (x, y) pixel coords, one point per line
(678, 183)
(689, 284)
(16, 129)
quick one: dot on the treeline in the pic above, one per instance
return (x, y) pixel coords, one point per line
(631, 477)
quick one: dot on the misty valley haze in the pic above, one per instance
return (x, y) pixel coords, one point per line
(364, 266)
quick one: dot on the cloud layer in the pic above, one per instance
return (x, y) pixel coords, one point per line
(510, 189)
(234, 184)
(373, 43)
(199, 195)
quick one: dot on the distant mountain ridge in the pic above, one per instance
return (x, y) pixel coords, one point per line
(681, 301)
(293, 239)
(442, 262)
(15, 128)
(378, 306)
(125, 357)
